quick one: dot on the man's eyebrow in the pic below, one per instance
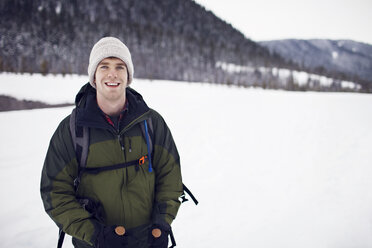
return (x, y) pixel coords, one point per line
(106, 63)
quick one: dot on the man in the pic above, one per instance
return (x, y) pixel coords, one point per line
(133, 206)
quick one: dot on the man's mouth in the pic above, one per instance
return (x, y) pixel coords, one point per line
(112, 84)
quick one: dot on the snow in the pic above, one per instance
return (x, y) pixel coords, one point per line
(302, 77)
(233, 68)
(334, 55)
(58, 8)
(269, 168)
(51, 89)
(345, 84)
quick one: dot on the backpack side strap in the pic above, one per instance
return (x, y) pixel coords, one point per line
(183, 197)
(61, 237)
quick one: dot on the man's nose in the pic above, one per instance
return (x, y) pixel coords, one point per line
(112, 73)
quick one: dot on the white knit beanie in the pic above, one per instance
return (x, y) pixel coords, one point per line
(109, 47)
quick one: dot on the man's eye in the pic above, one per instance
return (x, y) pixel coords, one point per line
(103, 67)
(120, 67)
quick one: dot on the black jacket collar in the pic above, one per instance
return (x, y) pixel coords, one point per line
(90, 115)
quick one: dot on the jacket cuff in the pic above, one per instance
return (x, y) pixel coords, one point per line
(160, 216)
(98, 228)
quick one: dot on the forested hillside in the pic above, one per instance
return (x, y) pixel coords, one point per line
(168, 39)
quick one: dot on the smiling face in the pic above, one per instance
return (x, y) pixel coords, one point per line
(111, 79)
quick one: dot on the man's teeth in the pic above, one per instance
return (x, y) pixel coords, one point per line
(112, 84)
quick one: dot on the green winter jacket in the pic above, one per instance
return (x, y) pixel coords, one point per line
(131, 197)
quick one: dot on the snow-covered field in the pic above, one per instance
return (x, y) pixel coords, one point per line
(271, 169)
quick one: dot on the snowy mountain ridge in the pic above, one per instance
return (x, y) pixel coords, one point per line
(343, 56)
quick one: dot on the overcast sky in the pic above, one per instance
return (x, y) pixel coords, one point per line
(301, 19)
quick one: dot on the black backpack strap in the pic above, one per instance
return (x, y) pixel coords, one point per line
(96, 170)
(183, 196)
(61, 237)
(172, 238)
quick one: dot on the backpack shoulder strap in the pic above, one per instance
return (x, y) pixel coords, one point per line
(149, 131)
(80, 139)
(145, 126)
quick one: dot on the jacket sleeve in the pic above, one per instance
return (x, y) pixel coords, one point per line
(57, 188)
(168, 182)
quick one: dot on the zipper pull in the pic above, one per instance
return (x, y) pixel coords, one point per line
(121, 143)
(130, 145)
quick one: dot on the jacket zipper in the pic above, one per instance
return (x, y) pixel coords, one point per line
(121, 142)
(119, 133)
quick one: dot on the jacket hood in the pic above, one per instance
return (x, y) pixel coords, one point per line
(83, 92)
(88, 112)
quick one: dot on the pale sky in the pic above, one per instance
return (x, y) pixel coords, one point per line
(300, 19)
